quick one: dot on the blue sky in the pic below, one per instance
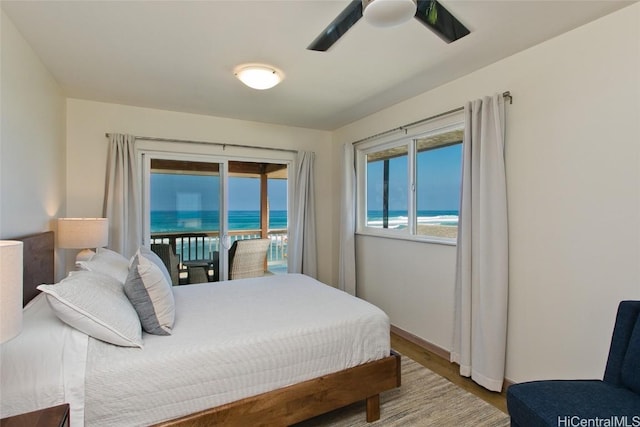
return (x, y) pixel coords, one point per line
(438, 181)
(438, 188)
(198, 192)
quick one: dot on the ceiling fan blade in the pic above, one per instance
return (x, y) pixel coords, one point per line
(439, 20)
(347, 18)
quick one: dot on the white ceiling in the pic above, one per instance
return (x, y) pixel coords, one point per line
(180, 55)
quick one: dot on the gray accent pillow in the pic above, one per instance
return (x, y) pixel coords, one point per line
(95, 303)
(150, 292)
(153, 257)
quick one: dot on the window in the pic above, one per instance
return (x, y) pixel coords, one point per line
(387, 197)
(409, 187)
(189, 208)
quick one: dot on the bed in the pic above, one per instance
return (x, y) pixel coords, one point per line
(217, 366)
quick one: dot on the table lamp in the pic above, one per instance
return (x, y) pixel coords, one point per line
(83, 233)
(10, 289)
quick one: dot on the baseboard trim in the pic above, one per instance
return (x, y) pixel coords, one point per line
(438, 351)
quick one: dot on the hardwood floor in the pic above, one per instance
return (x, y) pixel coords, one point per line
(446, 369)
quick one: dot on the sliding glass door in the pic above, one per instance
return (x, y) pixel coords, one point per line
(195, 207)
(257, 207)
(184, 219)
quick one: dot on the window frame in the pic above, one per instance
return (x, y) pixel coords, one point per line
(443, 124)
(176, 150)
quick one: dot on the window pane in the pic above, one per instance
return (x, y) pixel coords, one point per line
(277, 189)
(438, 175)
(387, 199)
(184, 202)
(244, 203)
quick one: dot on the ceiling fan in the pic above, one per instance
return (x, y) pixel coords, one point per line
(391, 12)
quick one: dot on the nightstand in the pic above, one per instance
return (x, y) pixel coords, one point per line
(56, 416)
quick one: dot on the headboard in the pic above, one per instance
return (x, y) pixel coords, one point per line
(38, 263)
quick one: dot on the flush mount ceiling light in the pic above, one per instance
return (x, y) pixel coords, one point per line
(258, 76)
(387, 13)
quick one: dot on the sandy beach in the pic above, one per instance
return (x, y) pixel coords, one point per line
(446, 231)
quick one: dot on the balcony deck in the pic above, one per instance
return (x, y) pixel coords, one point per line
(202, 245)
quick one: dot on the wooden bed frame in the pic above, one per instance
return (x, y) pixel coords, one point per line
(281, 407)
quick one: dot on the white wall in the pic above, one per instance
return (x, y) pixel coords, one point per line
(87, 122)
(32, 141)
(573, 172)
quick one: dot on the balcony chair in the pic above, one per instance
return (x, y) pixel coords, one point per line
(247, 258)
(572, 402)
(170, 260)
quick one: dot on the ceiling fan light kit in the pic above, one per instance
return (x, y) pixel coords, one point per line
(388, 13)
(258, 76)
(385, 13)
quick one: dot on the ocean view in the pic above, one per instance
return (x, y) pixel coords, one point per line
(208, 221)
(399, 219)
(191, 221)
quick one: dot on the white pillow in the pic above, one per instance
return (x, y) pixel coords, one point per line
(95, 304)
(108, 262)
(150, 292)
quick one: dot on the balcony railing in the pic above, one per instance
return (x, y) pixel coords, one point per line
(202, 245)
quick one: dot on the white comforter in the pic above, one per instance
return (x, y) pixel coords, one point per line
(232, 340)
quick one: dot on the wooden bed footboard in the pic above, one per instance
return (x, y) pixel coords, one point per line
(305, 400)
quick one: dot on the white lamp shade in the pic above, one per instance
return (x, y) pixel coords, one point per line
(258, 76)
(388, 13)
(83, 233)
(10, 289)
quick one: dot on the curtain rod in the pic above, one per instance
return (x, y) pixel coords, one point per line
(506, 94)
(224, 145)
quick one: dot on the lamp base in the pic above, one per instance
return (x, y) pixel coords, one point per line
(84, 255)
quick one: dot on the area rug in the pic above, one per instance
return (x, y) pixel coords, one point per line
(424, 399)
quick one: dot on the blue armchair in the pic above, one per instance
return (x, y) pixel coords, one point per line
(614, 400)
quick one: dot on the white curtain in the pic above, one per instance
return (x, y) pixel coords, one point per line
(302, 252)
(122, 201)
(347, 259)
(481, 289)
